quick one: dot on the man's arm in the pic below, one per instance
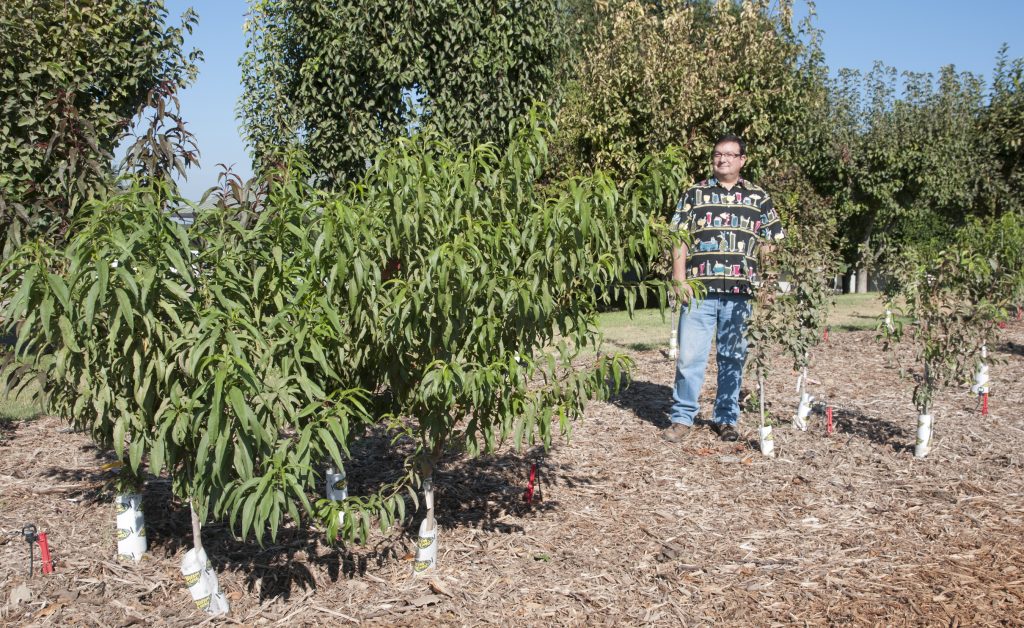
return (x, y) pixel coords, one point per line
(683, 289)
(681, 219)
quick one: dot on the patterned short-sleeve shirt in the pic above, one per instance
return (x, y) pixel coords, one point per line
(727, 226)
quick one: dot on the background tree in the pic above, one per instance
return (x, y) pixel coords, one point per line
(73, 75)
(652, 75)
(343, 78)
(1001, 139)
(905, 157)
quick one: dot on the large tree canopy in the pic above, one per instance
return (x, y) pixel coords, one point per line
(1001, 138)
(73, 76)
(344, 77)
(907, 158)
(680, 73)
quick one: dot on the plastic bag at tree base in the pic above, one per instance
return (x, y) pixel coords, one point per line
(767, 441)
(980, 380)
(201, 580)
(426, 542)
(337, 488)
(980, 386)
(802, 412)
(426, 548)
(131, 527)
(924, 436)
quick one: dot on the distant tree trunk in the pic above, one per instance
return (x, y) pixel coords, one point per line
(864, 263)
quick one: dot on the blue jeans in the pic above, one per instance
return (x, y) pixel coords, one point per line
(724, 317)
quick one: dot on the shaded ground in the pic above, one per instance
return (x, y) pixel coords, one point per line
(847, 529)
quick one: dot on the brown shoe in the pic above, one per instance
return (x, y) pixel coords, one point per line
(727, 432)
(677, 432)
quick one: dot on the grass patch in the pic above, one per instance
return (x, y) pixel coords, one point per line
(648, 330)
(856, 311)
(14, 408)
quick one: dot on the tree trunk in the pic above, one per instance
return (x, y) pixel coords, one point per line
(764, 432)
(197, 527)
(426, 542)
(864, 263)
(760, 394)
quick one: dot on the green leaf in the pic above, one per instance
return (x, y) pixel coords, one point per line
(67, 334)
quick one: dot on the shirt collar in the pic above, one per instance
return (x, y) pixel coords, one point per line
(740, 183)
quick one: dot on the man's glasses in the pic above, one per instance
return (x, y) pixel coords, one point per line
(729, 156)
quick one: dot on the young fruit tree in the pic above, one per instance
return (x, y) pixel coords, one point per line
(443, 297)
(793, 321)
(955, 299)
(92, 322)
(203, 362)
(809, 259)
(494, 284)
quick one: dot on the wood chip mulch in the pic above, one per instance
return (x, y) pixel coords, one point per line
(630, 530)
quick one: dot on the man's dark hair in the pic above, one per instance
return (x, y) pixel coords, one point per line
(730, 137)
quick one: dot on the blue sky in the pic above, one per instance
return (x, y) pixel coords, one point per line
(915, 35)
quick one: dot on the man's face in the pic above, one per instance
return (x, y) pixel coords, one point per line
(727, 161)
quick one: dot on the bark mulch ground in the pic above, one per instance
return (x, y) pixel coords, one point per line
(840, 529)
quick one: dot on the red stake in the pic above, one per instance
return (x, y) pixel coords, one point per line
(829, 428)
(528, 496)
(44, 553)
(826, 334)
(984, 404)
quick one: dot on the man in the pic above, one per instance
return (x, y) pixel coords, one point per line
(729, 219)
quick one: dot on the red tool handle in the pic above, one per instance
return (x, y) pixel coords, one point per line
(44, 553)
(528, 496)
(829, 428)
(984, 404)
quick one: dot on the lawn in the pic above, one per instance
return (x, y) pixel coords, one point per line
(19, 407)
(649, 330)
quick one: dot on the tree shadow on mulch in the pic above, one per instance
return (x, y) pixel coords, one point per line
(485, 493)
(1012, 348)
(7, 430)
(648, 401)
(9, 425)
(872, 428)
(97, 482)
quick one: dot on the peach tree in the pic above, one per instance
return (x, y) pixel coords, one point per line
(494, 283)
(445, 298)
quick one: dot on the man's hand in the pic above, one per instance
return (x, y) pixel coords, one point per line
(683, 291)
